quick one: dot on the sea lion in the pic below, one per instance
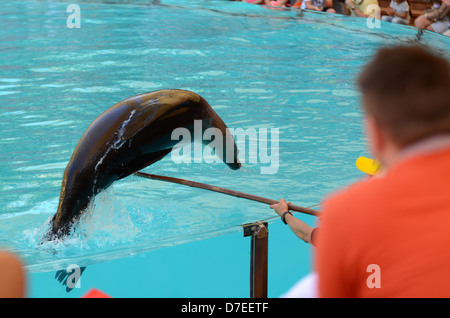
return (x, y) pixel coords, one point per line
(126, 138)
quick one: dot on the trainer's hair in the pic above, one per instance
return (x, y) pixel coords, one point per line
(406, 89)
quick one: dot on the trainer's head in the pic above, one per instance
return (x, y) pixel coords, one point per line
(406, 97)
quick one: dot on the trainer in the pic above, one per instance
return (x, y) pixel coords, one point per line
(389, 236)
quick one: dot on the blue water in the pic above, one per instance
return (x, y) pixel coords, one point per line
(258, 68)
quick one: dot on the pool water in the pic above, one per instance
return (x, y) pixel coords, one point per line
(258, 68)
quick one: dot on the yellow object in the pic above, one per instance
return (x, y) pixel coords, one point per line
(367, 165)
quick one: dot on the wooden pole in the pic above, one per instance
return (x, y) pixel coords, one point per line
(238, 194)
(258, 260)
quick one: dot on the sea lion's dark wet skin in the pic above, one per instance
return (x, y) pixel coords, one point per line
(126, 138)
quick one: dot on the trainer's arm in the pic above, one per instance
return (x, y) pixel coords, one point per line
(300, 228)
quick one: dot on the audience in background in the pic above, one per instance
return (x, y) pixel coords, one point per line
(398, 12)
(257, 1)
(362, 8)
(436, 20)
(318, 5)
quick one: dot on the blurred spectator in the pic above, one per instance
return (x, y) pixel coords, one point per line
(436, 4)
(279, 3)
(276, 3)
(318, 5)
(257, 1)
(361, 8)
(437, 20)
(398, 12)
(12, 276)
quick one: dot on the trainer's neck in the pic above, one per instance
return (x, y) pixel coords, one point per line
(422, 147)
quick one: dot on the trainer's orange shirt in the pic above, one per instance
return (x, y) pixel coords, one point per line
(389, 236)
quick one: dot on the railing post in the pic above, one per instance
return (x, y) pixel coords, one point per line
(258, 258)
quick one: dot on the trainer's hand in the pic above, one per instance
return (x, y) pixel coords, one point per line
(280, 207)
